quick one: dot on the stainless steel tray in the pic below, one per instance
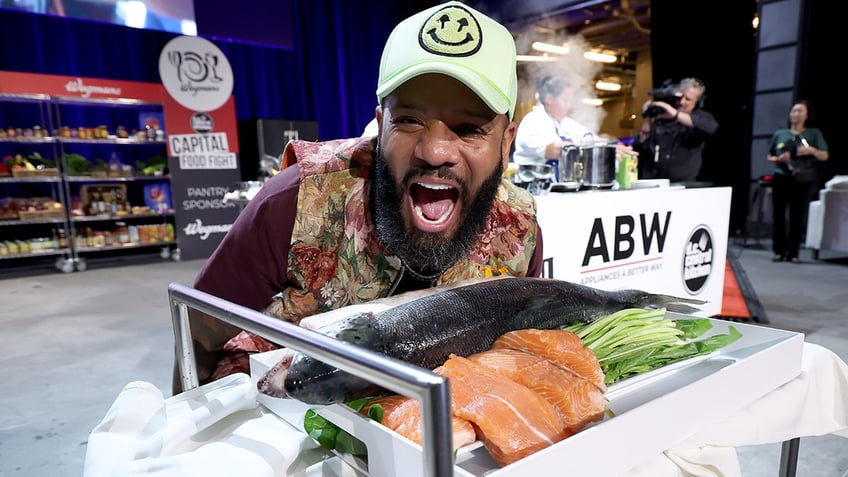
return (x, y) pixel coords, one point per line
(673, 402)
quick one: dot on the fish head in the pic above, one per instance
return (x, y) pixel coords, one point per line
(315, 382)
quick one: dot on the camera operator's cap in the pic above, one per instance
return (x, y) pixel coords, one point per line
(456, 40)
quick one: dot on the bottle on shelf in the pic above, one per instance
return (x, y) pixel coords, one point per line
(62, 238)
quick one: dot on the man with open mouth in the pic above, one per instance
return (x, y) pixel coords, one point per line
(421, 204)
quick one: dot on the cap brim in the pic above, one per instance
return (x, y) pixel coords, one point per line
(494, 98)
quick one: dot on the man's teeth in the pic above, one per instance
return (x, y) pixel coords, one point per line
(434, 186)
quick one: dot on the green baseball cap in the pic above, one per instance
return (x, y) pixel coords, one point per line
(455, 40)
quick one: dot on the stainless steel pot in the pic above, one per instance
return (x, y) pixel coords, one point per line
(571, 165)
(592, 165)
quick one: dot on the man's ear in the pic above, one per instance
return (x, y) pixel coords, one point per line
(506, 142)
(378, 113)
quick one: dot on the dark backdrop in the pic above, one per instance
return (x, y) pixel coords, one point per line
(818, 81)
(329, 76)
(715, 42)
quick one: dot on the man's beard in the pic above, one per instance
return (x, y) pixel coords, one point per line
(428, 252)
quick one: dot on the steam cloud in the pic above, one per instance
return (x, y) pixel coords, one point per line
(578, 71)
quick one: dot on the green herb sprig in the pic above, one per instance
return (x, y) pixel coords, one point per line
(635, 340)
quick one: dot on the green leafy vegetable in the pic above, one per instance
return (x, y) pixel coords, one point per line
(330, 436)
(77, 164)
(634, 340)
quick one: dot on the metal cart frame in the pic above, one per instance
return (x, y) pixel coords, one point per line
(431, 390)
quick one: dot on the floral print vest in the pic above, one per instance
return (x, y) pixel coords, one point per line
(335, 257)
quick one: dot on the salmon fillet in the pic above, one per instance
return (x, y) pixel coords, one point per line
(578, 401)
(558, 346)
(403, 415)
(512, 420)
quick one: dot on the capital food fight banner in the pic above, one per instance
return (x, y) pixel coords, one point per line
(202, 141)
(662, 240)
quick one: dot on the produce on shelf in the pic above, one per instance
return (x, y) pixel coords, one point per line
(30, 208)
(18, 162)
(74, 151)
(154, 166)
(77, 164)
(31, 162)
(100, 168)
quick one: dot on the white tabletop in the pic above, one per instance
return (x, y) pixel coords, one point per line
(220, 429)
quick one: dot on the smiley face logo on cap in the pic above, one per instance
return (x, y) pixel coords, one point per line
(451, 31)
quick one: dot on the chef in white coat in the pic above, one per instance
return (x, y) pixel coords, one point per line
(548, 127)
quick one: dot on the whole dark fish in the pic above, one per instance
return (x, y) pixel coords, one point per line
(463, 321)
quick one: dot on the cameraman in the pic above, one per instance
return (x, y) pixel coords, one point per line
(673, 132)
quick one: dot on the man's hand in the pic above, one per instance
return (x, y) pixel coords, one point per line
(554, 149)
(669, 111)
(622, 150)
(782, 157)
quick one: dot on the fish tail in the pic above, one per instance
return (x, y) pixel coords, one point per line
(671, 303)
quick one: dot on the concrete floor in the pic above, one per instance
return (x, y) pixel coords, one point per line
(71, 342)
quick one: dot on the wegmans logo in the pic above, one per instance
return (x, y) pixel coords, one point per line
(204, 231)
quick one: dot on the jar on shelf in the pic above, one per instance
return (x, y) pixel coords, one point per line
(99, 239)
(101, 132)
(133, 234)
(122, 232)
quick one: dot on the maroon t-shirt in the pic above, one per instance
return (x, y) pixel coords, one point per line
(249, 266)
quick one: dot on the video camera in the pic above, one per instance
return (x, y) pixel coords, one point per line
(668, 93)
(791, 146)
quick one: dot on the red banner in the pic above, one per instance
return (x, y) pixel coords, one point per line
(12, 82)
(178, 120)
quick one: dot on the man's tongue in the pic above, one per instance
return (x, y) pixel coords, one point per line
(435, 210)
(434, 203)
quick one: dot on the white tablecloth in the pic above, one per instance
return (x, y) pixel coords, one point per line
(813, 404)
(219, 429)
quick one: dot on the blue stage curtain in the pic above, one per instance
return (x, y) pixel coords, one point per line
(330, 75)
(342, 41)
